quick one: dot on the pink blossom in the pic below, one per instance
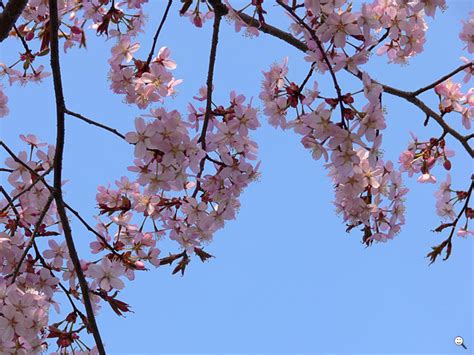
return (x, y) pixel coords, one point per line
(107, 274)
(467, 33)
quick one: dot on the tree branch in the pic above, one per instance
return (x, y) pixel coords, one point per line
(440, 80)
(94, 123)
(210, 75)
(9, 16)
(58, 164)
(409, 96)
(155, 38)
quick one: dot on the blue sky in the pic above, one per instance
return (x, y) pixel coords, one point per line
(287, 278)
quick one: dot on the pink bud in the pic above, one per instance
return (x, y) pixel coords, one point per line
(139, 265)
(447, 164)
(197, 21)
(30, 35)
(76, 30)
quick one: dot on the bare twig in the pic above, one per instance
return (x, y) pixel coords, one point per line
(94, 123)
(443, 78)
(155, 38)
(90, 229)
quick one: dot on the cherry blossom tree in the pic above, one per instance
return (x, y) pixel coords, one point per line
(192, 165)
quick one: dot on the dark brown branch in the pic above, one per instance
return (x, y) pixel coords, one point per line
(10, 202)
(440, 80)
(410, 97)
(210, 76)
(275, 32)
(9, 16)
(90, 229)
(94, 123)
(58, 165)
(155, 38)
(381, 39)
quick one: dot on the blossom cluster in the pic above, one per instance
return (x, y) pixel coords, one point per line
(423, 156)
(27, 283)
(173, 190)
(350, 146)
(142, 82)
(452, 99)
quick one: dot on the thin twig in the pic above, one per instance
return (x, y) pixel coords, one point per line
(323, 53)
(89, 228)
(440, 80)
(210, 77)
(94, 123)
(155, 38)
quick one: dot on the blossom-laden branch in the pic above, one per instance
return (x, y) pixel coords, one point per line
(170, 159)
(407, 95)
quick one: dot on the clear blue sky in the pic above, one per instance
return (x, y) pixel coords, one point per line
(286, 277)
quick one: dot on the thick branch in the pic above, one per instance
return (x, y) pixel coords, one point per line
(9, 16)
(58, 164)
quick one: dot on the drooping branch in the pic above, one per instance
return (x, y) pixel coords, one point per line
(58, 164)
(410, 97)
(9, 16)
(90, 229)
